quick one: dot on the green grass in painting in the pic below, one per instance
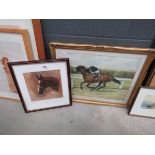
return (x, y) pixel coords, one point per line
(111, 91)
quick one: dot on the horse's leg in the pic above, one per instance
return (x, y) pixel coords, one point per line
(104, 85)
(116, 81)
(88, 85)
(82, 84)
(99, 85)
(121, 85)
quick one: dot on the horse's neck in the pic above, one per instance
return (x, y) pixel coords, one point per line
(83, 73)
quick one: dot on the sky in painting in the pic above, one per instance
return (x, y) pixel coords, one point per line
(150, 99)
(113, 61)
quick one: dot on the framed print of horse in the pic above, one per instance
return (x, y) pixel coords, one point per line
(14, 46)
(42, 84)
(105, 75)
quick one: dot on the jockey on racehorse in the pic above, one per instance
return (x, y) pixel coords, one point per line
(93, 70)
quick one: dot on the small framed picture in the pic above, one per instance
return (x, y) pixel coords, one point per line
(145, 103)
(106, 75)
(42, 84)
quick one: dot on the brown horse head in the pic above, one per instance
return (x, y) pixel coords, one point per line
(80, 68)
(44, 82)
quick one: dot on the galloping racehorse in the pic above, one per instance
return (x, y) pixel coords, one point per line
(45, 82)
(88, 78)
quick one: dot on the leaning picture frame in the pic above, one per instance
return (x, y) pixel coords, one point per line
(118, 71)
(39, 38)
(42, 85)
(144, 105)
(15, 45)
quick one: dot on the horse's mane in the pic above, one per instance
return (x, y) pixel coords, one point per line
(87, 70)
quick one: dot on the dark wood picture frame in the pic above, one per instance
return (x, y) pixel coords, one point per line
(39, 38)
(38, 62)
(150, 53)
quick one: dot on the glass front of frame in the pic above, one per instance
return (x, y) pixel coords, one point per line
(117, 74)
(12, 49)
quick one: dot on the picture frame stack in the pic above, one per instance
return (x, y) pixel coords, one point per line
(45, 83)
(84, 73)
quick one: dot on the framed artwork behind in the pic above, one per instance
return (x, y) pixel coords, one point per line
(39, 38)
(14, 46)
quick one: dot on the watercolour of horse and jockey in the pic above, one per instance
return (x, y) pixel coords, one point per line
(104, 74)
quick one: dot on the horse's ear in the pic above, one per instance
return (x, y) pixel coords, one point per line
(38, 77)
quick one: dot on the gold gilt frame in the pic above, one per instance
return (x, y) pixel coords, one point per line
(150, 53)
